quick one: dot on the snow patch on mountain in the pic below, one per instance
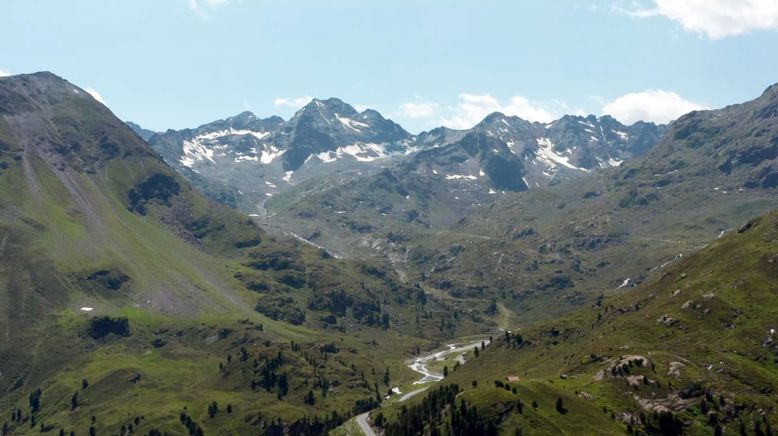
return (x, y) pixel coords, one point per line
(269, 154)
(357, 126)
(548, 156)
(623, 135)
(195, 151)
(210, 136)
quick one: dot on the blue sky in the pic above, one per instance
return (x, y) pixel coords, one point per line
(181, 63)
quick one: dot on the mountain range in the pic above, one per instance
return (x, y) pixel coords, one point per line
(128, 299)
(254, 159)
(555, 247)
(579, 276)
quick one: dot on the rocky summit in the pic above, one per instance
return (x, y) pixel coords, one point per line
(245, 160)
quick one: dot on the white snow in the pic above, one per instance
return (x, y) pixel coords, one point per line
(481, 173)
(268, 194)
(327, 156)
(271, 184)
(459, 176)
(624, 283)
(586, 123)
(434, 171)
(195, 151)
(505, 122)
(288, 176)
(87, 309)
(549, 157)
(243, 157)
(227, 132)
(268, 155)
(492, 191)
(363, 152)
(202, 147)
(623, 135)
(615, 162)
(352, 124)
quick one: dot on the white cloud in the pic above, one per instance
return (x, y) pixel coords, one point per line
(715, 18)
(4, 73)
(416, 110)
(201, 7)
(472, 108)
(293, 102)
(96, 95)
(651, 105)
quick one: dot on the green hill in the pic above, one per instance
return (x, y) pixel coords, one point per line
(549, 250)
(693, 350)
(129, 300)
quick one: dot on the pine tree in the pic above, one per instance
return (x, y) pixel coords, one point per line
(74, 401)
(283, 385)
(213, 409)
(35, 401)
(560, 406)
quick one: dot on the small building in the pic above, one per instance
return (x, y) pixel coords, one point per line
(512, 378)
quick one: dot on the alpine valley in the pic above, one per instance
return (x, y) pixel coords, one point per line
(333, 273)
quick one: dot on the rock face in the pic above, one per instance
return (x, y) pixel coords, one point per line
(735, 146)
(145, 134)
(506, 153)
(244, 160)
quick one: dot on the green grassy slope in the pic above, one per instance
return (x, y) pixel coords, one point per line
(692, 349)
(215, 309)
(547, 251)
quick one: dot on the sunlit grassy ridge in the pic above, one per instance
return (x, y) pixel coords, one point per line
(115, 271)
(698, 340)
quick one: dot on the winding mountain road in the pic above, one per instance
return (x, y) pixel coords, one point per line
(419, 365)
(364, 425)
